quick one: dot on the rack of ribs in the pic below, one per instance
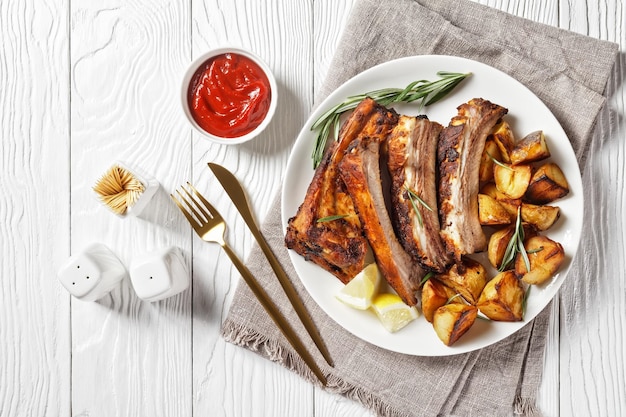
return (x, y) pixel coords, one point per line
(460, 147)
(411, 150)
(360, 170)
(339, 245)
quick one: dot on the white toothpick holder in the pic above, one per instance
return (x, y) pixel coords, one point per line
(92, 273)
(150, 184)
(159, 274)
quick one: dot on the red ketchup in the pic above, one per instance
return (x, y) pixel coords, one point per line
(229, 95)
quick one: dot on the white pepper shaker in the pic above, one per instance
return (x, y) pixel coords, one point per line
(92, 273)
(159, 274)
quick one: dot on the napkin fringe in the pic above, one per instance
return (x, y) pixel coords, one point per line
(364, 397)
(526, 407)
(238, 334)
(241, 335)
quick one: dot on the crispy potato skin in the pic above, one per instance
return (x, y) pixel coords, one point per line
(547, 184)
(452, 321)
(512, 180)
(503, 298)
(491, 150)
(505, 140)
(467, 279)
(435, 295)
(497, 245)
(491, 212)
(531, 148)
(541, 217)
(545, 256)
(500, 239)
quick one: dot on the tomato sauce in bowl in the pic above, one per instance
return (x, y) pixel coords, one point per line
(229, 95)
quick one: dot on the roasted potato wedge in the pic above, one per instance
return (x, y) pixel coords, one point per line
(452, 321)
(547, 184)
(502, 298)
(467, 279)
(498, 242)
(541, 217)
(491, 212)
(491, 150)
(531, 148)
(435, 295)
(511, 205)
(500, 239)
(491, 190)
(512, 180)
(503, 137)
(545, 257)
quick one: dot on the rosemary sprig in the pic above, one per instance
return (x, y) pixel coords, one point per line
(515, 245)
(539, 249)
(414, 199)
(482, 317)
(525, 301)
(455, 296)
(428, 276)
(332, 218)
(495, 161)
(428, 92)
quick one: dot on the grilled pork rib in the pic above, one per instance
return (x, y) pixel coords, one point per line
(338, 245)
(412, 162)
(360, 170)
(460, 148)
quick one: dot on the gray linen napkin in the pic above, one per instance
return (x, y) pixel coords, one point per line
(569, 73)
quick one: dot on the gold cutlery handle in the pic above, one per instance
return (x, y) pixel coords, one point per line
(292, 294)
(236, 193)
(274, 313)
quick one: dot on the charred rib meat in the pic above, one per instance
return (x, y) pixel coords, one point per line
(338, 245)
(460, 148)
(412, 163)
(360, 170)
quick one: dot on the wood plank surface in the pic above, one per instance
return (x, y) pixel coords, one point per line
(229, 380)
(129, 357)
(35, 339)
(592, 319)
(85, 84)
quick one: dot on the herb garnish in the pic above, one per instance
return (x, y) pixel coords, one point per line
(482, 317)
(525, 301)
(457, 295)
(428, 276)
(414, 198)
(332, 218)
(516, 245)
(428, 92)
(495, 161)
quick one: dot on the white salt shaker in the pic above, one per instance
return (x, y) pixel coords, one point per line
(92, 273)
(159, 274)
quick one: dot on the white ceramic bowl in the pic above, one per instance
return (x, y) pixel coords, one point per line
(197, 63)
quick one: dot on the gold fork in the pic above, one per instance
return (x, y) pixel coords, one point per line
(211, 227)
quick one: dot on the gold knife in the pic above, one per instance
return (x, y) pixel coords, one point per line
(237, 195)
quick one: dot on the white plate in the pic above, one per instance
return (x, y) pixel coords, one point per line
(526, 114)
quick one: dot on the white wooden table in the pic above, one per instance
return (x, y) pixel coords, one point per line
(84, 84)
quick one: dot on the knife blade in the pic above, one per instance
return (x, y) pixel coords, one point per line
(236, 193)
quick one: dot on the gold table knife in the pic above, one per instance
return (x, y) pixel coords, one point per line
(236, 193)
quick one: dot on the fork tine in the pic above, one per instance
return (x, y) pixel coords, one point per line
(212, 211)
(187, 214)
(200, 212)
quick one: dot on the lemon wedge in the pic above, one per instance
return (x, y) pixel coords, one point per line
(358, 293)
(392, 311)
